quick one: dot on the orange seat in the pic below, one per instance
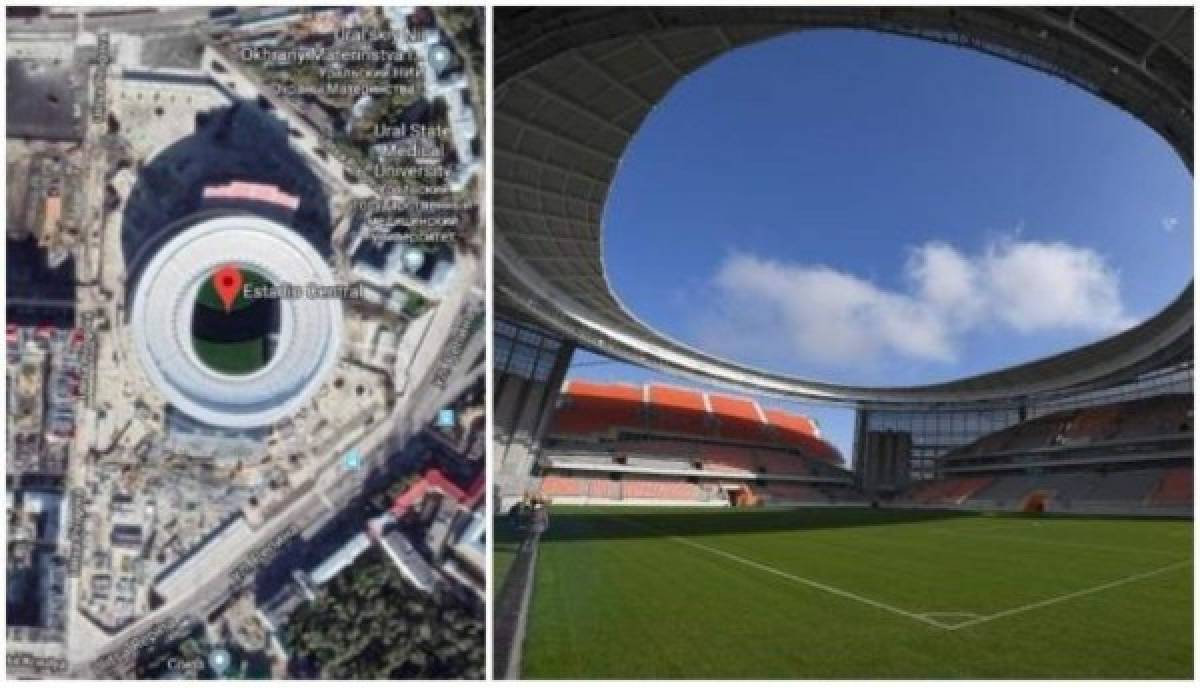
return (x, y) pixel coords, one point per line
(677, 410)
(1176, 487)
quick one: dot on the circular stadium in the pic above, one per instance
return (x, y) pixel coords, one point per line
(256, 359)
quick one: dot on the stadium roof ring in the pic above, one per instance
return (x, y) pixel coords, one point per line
(573, 87)
(162, 315)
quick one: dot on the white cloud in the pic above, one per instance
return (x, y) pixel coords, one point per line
(946, 280)
(765, 307)
(1035, 286)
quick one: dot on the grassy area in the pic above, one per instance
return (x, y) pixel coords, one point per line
(859, 593)
(233, 358)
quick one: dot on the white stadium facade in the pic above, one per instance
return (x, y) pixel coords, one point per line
(163, 301)
(574, 85)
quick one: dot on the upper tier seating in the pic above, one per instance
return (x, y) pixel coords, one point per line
(675, 410)
(1167, 414)
(589, 408)
(611, 410)
(738, 418)
(1092, 425)
(798, 430)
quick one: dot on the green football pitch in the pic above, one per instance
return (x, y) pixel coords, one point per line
(858, 593)
(234, 358)
(231, 358)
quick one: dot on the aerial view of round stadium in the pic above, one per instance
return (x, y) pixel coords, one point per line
(844, 343)
(212, 332)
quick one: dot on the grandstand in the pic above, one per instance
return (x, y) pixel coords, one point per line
(657, 444)
(1127, 457)
(933, 575)
(663, 445)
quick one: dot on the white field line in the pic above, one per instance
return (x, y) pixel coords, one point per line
(812, 583)
(927, 617)
(1073, 595)
(995, 535)
(951, 615)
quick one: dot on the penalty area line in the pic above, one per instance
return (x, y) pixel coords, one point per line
(1072, 595)
(811, 583)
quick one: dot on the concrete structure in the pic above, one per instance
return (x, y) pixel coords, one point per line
(529, 366)
(655, 444)
(573, 86)
(161, 321)
(223, 546)
(339, 560)
(383, 265)
(455, 90)
(47, 99)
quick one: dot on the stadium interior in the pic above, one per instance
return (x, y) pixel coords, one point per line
(658, 444)
(663, 445)
(1057, 433)
(919, 529)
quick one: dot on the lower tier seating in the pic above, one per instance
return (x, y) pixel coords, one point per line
(1175, 487)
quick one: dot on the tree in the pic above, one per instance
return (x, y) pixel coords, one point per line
(368, 622)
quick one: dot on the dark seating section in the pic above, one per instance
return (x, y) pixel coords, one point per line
(1158, 416)
(1130, 486)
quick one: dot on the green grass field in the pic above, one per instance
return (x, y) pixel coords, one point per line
(233, 358)
(849, 593)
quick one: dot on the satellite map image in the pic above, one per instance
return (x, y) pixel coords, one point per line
(246, 342)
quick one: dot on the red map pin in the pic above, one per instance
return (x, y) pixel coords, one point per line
(228, 282)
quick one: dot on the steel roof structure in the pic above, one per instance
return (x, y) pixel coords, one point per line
(574, 84)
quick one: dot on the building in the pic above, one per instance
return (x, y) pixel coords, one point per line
(381, 265)
(572, 121)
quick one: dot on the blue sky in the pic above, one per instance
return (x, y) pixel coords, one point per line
(872, 209)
